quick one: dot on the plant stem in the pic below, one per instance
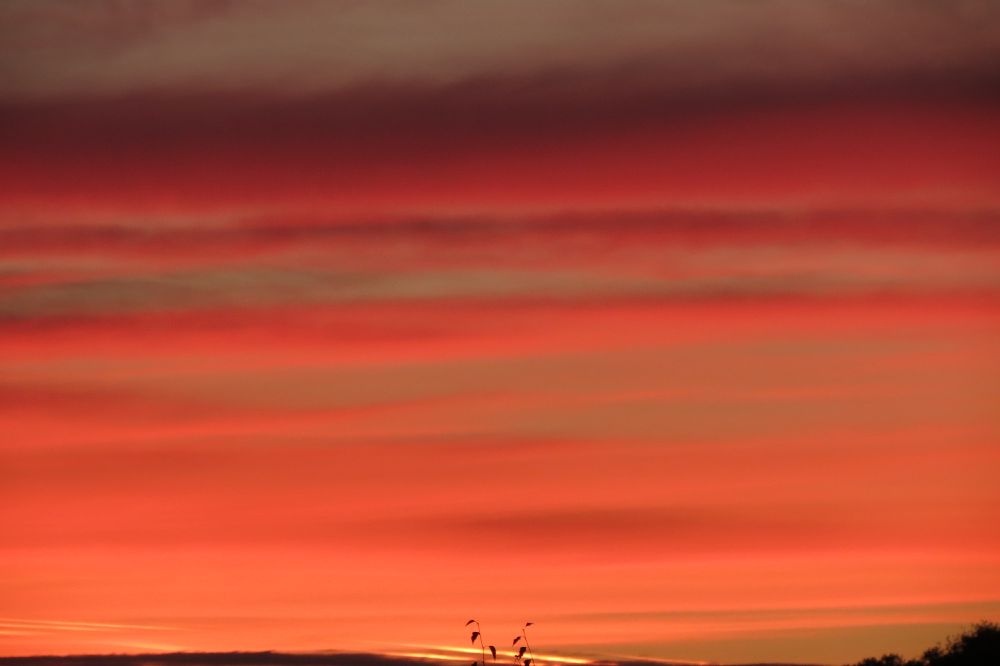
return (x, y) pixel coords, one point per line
(524, 632)
(482, 646)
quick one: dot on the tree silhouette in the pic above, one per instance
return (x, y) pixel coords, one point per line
(979, 646)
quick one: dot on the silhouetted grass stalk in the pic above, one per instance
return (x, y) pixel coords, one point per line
(526, 647)
(478, 633)
(524, 632)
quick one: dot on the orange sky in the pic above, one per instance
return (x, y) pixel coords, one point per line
(676, 356)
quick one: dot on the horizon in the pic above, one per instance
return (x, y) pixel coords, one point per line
(670, 326)
(333, 657)
(977, 644)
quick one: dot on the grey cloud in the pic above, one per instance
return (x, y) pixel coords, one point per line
(56, 47)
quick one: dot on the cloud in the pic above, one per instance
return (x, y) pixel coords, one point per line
(59, 48)
(486, 148)
(312, 310)
(105, 271)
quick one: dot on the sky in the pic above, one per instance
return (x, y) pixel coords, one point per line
(672, 327)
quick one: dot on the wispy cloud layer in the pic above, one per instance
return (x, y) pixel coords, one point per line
(673, 326)
(57, 48)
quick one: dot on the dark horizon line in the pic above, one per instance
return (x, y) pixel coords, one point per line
(273, 657)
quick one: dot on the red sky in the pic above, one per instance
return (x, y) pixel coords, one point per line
(672, 327)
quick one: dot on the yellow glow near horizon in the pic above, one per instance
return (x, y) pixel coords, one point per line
(425, 655)
(509, 653)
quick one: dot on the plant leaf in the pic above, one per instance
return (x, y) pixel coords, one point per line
(469, 622)
(528, 624)
(520, 653)
(475, 635)
(493, 649)
(515, 641)
(527, 662)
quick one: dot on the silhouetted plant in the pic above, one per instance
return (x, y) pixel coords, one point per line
(519, 655)
(478, 634)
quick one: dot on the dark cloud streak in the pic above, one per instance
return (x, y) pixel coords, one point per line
(55, 48)
(477, 143)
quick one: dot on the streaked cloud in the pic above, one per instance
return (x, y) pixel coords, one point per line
(58, 48)
(672, 326)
